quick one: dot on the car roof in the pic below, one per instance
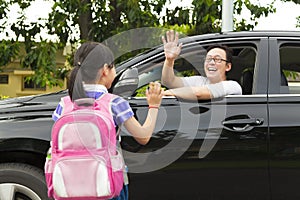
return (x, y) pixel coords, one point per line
(211, 36)
(244, 34)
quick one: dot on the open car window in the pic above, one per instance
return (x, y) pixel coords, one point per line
(190, 63)
(186, 65)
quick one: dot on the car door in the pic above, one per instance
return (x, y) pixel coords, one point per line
(284, 106)
(206, 149)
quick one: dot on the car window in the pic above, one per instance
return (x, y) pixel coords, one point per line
(190, 63)
(243, 64)
(290, 69)
(187, 64)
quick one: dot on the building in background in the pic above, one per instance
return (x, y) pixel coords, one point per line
(13, 84)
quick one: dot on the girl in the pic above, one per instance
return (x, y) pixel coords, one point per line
(92, 75)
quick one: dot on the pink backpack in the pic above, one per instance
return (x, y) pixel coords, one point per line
(85, 162)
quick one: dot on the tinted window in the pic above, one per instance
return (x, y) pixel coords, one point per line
(290, 69)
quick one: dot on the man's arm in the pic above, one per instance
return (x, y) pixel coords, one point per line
(172, 50)
(190, 93)
(168, 77)
(208, 91)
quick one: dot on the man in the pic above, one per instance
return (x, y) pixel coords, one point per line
(218, 61)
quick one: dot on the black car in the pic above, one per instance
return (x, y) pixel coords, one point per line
(237, 147)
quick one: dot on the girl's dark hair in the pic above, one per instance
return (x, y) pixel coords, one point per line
(88, 59)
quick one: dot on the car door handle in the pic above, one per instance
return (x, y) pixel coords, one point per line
(242, 125)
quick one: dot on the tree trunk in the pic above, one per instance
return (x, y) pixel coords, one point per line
(85, 22)
(116, 13)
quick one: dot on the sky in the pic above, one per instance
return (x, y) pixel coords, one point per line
(283, 19)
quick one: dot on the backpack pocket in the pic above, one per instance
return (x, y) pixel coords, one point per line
(117, 162)
(48, 176)
(82, 177)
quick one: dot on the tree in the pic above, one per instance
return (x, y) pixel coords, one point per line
(295, 1)
(76, 21)
(39, 55)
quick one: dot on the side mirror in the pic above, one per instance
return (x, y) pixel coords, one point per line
(127, 83)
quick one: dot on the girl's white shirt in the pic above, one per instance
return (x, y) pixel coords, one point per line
(95, 88)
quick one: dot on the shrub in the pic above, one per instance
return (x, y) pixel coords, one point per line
(3, 97)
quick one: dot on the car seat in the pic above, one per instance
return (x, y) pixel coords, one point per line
(247, 81)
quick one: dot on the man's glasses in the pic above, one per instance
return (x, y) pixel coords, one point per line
(216, 60)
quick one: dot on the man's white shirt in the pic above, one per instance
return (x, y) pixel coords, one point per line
(217, 90)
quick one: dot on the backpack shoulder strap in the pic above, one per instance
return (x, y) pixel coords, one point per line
(68, 105)
(105, 102)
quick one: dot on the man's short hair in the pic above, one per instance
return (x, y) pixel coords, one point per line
(227, 50)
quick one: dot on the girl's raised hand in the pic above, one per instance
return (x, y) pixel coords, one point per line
(154, 94)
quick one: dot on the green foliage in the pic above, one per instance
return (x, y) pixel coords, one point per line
(186, 73)
(204, 15)
(98, 20)
(3, 12)
(65, 16)
(9, 50)
(295, 1)
(101, 19)
(178, 16)
(22, 3)
(3, 97)
(258, 11)
(41, 58)
(185, 29)
(291, 74)
(141, 92)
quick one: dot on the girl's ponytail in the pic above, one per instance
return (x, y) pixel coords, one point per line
(75, 85)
